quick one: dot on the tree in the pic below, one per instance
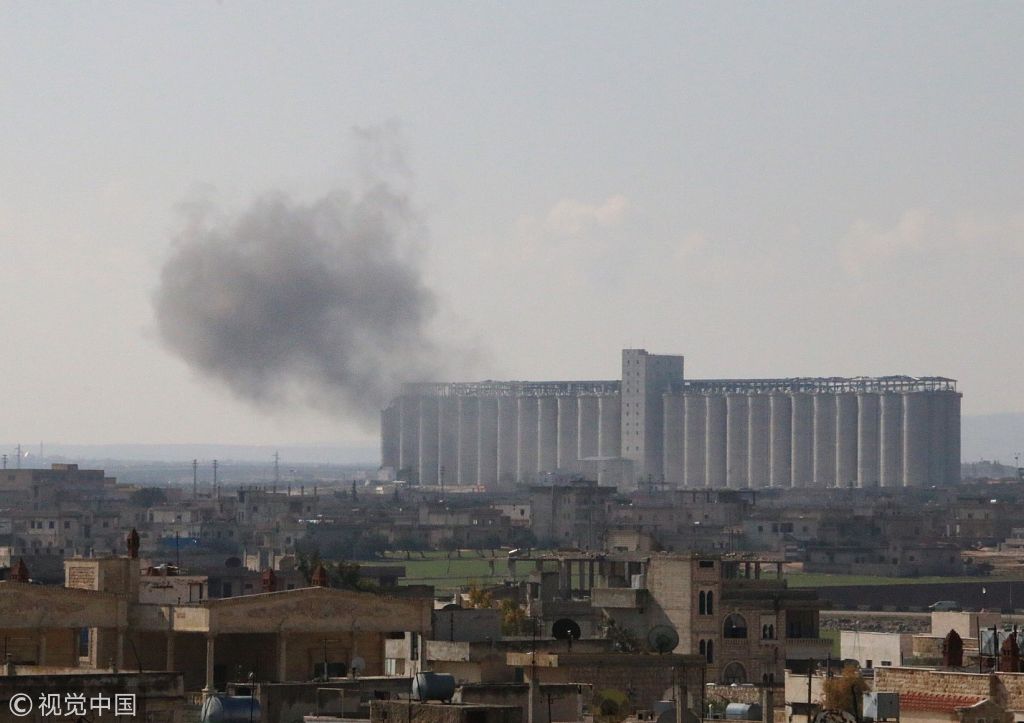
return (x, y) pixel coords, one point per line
(513, 617)
(844, 691)
(477, 597)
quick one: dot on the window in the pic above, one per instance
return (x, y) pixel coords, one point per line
(711, 603)
(702, 605)
(734, 673)
(707, 564)
(735, 627)
(711, 651)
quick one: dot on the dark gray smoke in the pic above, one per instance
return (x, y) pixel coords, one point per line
(322, 303)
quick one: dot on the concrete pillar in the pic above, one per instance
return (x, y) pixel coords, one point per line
(846, 440)
(673, 444)
(508, 440)
(469, 440)
(891, 436)
(409, 439)
(695, 433)
(737, 455)
(588, 425)
(208, 689)
(568, 434)
(803, 439)
(781, 474)
(759, 441)
(389, 436)
(868, 440)
(526, 462)
(169, 649)
(825, 440)
(547, 434)
(609, 439)
(448, 438)
(915, 439)
(488, 451)
(937, 437)
(715, 443)
(953, 438)
(282, 657)
(429, 441)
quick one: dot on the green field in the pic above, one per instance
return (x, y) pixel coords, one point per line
(448, 573)
(803, 579)
(437, 569)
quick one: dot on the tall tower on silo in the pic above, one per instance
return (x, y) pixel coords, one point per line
(915, 439)
(645, 379)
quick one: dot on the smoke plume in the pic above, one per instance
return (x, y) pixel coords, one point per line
(321, 303)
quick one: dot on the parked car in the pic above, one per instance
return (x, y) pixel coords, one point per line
(945, 606)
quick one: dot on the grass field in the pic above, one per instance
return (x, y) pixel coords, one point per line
(804, 579)
(436, 568)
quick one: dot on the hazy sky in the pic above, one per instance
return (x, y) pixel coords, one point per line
(774, 189)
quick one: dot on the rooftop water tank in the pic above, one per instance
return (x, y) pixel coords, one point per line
(743, 711)
(433, 686)
(230, 709)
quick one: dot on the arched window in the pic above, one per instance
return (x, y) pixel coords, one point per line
(771, 632)
(711, 603)
(702, 604)
(764, 632)
(711, 651)
(703, 647)
(734, 673)
(735, 627)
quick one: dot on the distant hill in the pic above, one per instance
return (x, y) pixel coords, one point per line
(996, 437)
(368, 456)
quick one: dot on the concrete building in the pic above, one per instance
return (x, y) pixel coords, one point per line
(654, 427)
(734, 611)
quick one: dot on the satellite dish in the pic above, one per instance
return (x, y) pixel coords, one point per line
(358, 666)
(663, 639)
(566, 629)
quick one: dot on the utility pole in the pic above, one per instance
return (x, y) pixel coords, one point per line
(19, 456)
(195, 479)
